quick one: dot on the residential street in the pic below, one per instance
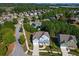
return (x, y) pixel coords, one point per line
(18, 50)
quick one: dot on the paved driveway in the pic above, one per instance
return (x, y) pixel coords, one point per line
(64, 51)
(35, 48)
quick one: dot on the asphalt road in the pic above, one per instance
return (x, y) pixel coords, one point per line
(18, 50)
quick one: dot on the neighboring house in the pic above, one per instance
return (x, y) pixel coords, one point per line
(58, 15)
(21, 15)
(73, 20)
(35, 13)
(15, 15)
(39, 13)
(31, 14)
(36, 24)
(1, 22)
(26, 14)
(46, 19)
(77, 20)
(67, 41)
(20, 20)
(52, 18)
(42, 37)
(7, 17)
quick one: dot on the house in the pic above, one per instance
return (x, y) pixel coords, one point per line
(21, 15)
(52, 18)
(42, 37)
(35, 13)
(1, 22)
(25, 14)
(31, 14)
(7, 16)
(73, 20)
(39, 13)
(36, 24)
(67, 41)
(57, 16)
(15, 15)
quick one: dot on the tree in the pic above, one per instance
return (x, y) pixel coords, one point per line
(25, 20)
(61, 27)
(1, 37)
(47, 15)
(0, 26)
(34, 18)
(15, 21)
(3, 50)
(0, 33)
(40, 17)
(22, 39)
(29, 28)
(68, 15)
(8, 38)
(1, 11)
(9, 24)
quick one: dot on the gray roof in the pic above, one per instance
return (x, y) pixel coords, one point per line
(39, 34)
(68, 40)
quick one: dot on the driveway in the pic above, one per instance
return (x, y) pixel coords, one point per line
(64, 51)
(35, 48)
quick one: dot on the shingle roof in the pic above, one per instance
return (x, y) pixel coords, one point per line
(39, 34)
(68, 40)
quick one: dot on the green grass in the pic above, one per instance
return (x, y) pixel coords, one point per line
(74, 52)
(3, 50)
(54, 46)
(49, 54)
(28, 38)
